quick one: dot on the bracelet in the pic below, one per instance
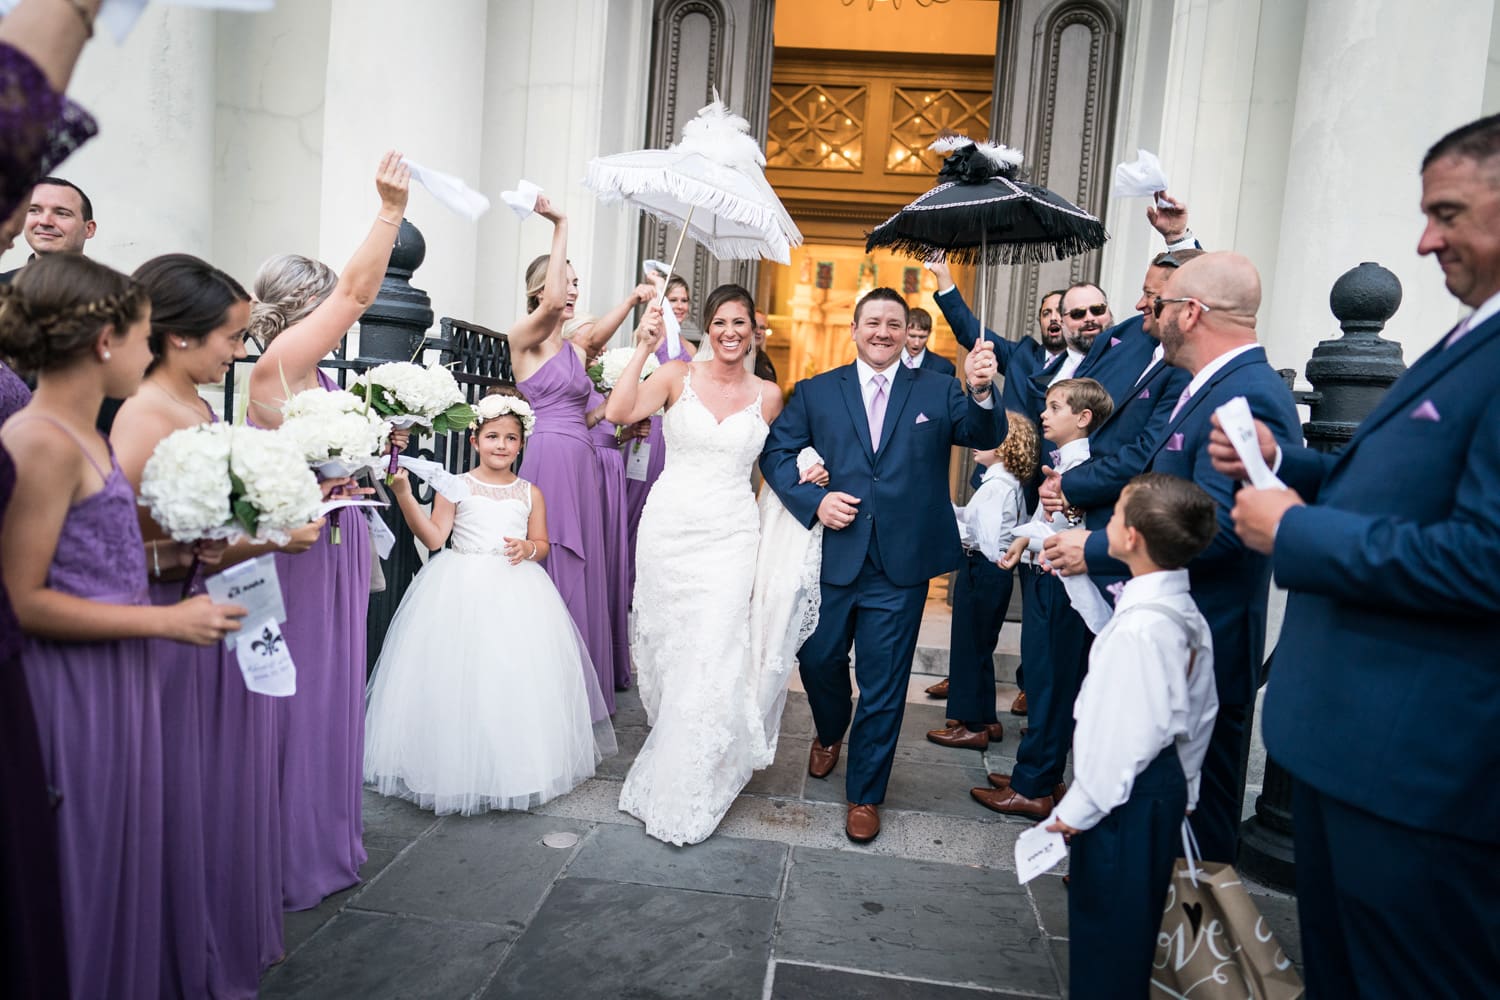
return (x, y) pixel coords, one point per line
(156, 559)
(83, 15)
(532, 557)
(388, 221)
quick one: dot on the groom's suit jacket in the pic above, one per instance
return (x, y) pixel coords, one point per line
(905, 511)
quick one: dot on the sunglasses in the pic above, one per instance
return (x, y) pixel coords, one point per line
(1099, 310)
(1158, 302)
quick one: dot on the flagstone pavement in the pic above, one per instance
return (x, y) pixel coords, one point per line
(574, 900)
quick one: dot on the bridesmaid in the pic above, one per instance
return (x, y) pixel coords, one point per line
(616, 531)
(559, 455)
(75, 568)
(680, 301)
(301, 313)
(220, 741)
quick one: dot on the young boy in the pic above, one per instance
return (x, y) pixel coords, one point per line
(1144, 718)
(1054, 639)
(981, 591)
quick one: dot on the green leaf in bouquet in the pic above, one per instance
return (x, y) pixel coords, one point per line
(455, 418)
(245, 512)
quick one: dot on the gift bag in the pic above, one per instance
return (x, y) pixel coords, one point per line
(1214, 943)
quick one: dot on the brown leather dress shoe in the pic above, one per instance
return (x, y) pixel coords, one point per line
(1018, 707)
(862, 824)
(822, 760)
(958, 735)
(938, 690)
(1003, 781)
(1013, 803)
(995, 729)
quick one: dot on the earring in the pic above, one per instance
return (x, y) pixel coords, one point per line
(106, 355)
(182, 343)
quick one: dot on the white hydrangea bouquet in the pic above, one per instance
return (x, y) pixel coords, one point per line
(408, 395)
(337, 432)
(220, 481)
(606, 371)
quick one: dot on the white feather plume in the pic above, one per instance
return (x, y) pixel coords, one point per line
(949, 143)
(721, 135)
(1001, 155)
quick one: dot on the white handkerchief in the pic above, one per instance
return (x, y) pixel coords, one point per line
(1038, 851)
(333, 504)
(449, 190)
(1082, 594)
(1238, 423)
(1141, 178)
(658, 274)
(452, 487)
(522, 200)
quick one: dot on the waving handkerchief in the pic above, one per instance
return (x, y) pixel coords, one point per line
(433, 474)
(658, 274)
(1141, 178)
(522, 200)
(1082, 594)
(449, 190)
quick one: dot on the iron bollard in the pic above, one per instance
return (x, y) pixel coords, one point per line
(1349, 375)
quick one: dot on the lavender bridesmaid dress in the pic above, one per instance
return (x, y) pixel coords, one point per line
(616, 539)
(97, 713)
(223, 817)
(559, 460)
(32, 960)
(322, 726)
(636, 490)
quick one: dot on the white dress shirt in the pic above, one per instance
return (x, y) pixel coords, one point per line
(1156, 357)
(1148, 686)
(1068, 367)
(1069, 456)
(913, 360)
(992, 513)
(1211, 369)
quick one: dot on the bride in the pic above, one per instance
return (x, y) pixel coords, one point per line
(713, 685)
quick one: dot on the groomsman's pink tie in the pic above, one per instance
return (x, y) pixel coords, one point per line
(1187, 394)
(877, 410)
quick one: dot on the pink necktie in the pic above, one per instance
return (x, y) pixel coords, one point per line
(877, 410)
(908, 359)
(1458, 331)
(1187, 394)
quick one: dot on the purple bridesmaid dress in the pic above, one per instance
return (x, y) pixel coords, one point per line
(616, 539)
(224, 816)
(33, 964)
(322, 726)
(636, 490)
(97, 713)
(13, 393)
(559, 460)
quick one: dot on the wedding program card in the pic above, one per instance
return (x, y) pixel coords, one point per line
(639, 461)
(265, 663)
(1038, 851)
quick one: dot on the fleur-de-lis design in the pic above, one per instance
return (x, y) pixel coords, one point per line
(268, 643)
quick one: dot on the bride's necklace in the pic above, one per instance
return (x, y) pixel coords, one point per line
(725, 389)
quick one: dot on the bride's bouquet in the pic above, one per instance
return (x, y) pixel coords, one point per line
(337, 432)
(610, 365)
(219, 481)
(408, 395)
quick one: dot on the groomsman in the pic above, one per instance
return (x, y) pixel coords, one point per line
(916, 354)
(1205, 317)
(1386, 698)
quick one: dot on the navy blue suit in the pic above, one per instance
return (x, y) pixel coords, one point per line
(937, 364)
(875, 571)
(1229, 582)
(1017, 360)
(1386, 697)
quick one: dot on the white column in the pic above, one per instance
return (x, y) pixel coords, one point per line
(149, 172)
(406, 76)
(270, 70)
(1379, 82)
(565, 80)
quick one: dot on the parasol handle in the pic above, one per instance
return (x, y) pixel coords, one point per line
(661, 303)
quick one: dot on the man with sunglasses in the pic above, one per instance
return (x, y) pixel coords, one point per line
(1205, 319)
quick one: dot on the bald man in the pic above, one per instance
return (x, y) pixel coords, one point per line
(1205, 317)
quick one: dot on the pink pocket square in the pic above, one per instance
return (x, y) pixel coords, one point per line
(1426, 411)
(921, 418)
(1174, 443)
(1113, 341)
(1116, 589)
(1145, 394)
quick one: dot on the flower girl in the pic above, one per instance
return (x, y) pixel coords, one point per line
(484, 691)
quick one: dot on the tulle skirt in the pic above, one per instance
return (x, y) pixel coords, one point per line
(484, 695)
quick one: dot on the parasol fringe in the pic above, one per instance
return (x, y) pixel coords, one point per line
(1074, 239)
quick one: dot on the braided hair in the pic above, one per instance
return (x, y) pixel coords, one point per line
(288, 287)
(51, 315)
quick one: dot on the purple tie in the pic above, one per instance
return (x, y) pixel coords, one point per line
(1187, 394)
(877, 410)
(1458, 331)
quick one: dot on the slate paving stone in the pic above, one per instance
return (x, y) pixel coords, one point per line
(923, 786)
(1060, 953)
(595, 939)
(910, 918)
(490, 868)
(630, 740)
(629, 712)
(392, 823)
(800, 982)
(720, 864)
(1051, 898)
(299, 925)
(786, 774)
(375, 956)
(1281, 915)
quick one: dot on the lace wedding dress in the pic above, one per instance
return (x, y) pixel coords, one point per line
(725, 593)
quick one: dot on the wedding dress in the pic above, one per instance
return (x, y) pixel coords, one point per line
(726, 590)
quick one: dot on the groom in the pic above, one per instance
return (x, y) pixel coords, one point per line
(885, 433)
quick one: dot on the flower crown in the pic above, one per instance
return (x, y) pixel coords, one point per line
(490, 407)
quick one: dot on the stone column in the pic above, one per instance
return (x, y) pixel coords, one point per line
(1379, 82)
(406, 76)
